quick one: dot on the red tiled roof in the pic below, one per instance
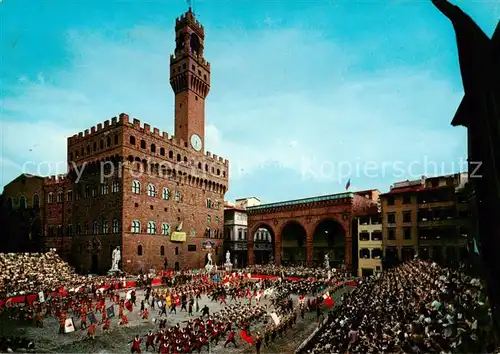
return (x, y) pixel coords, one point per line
(415, 189)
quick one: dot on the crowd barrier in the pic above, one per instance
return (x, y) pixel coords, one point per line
(123, 285)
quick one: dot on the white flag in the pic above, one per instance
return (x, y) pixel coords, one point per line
(68, 326)
(41, 297)
(275, 318)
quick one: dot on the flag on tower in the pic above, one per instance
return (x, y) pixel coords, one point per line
(348, 184)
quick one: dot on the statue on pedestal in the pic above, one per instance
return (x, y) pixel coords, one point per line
(116, 256)
(327, 261)
(228, 257)
(209, 266)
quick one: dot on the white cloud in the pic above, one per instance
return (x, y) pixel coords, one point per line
(278, 98)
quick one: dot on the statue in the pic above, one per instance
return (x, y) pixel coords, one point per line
(327, 261)
(479, 112)
(209, 266)
(228, 257)
(115, 259)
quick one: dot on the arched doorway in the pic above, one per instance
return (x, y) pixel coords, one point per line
(263, 245)
(293, 243)
(329, 239)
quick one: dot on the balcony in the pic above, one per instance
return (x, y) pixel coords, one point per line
(435, 204)
(438, 222)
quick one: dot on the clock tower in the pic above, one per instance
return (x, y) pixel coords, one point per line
(190, 81)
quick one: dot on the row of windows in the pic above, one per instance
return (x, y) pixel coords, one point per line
(97, 228)
(140, 250)
(81, 153)
(136, 189)
(165, 229)
(375, 253)
(178, 158)
(23, 202)
(213, 204)
(90, 191)
(375, 236)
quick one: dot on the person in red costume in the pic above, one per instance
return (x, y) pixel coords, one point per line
(136, 345)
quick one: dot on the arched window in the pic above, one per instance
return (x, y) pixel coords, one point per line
(136, 187)
(177, 196)
(153, 148)
(199, 165)
(206, 168)
(165, 229)
(50, 198)
(36, 201)
(151, 190)
(162, 151)
(116, 139)
(108, 142)
(185, 159)
(166, 194)
(60, 197)
(218, 172)
(85, 228)
(143, 144)
(105, 226)
(95, 227)
(23, 204)
(170, 154)
(162, 250)
(136, 227)
(132, 140)
(101, 144)
(209, 220)
(139, 250)
(151, 228)
(217, 220)
(209, 203)
(116, 226)
(178, 157)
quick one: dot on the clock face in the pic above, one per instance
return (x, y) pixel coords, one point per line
(196, 142)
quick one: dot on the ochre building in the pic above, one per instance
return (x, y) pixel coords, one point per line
(305, 230)
(428, 218)
(160, 198)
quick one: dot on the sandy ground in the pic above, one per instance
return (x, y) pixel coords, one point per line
(48, 340)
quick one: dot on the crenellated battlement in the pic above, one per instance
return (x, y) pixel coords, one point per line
(55, 179)
(198, 58)
(100, 128)
(217, 159)
(190, 19)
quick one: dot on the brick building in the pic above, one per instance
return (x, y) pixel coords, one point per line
(303, 231)
(154, 195)
(427, 217)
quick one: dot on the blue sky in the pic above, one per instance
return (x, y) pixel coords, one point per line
(304, 95)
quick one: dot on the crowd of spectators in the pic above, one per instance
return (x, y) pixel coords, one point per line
(30, 273)
(288, 271)
(417, 307)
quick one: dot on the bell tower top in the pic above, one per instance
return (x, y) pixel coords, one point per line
(190, 80)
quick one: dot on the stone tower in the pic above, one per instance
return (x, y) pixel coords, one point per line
(190, 81)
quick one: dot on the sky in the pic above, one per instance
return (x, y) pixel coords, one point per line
(305, 95)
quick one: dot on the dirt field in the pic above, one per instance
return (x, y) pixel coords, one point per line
(47, 339)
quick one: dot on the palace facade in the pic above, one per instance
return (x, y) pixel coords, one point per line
(160, 198)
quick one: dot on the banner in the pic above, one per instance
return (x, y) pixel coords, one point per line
(41, 297)
(68, 326)
(110, 311)
(275, 318)
(246, 337)
(178, 236)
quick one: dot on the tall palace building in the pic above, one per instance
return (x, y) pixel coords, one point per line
(159, 197)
